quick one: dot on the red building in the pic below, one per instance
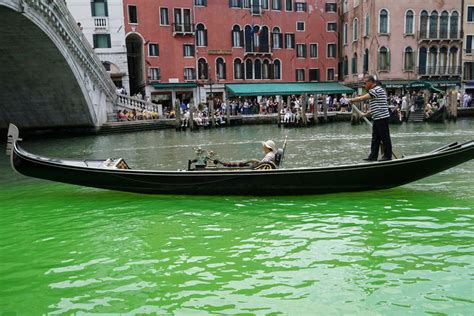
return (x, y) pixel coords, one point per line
(186, 48)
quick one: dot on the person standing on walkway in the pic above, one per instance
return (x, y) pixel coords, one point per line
(379, 111)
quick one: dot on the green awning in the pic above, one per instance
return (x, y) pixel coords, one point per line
(281, 88)
(423, 84)
(174, 85)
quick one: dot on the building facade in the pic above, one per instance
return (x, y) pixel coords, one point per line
(189, 49)
(102, 23)
(401, 41)
(467, 52)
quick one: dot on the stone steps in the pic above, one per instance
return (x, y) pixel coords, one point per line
(135, 126)
(416, 116)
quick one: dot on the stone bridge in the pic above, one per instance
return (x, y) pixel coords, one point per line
(49, 74)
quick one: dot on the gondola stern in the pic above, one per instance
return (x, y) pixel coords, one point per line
(12, 138)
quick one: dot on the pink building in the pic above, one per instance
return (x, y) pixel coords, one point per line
(401, 41)
(181, 49)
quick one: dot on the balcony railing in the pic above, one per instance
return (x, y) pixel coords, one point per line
(101, 22)
(183, 28)
(439, 71)
(441, 35)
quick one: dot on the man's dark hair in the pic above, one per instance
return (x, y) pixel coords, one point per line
(370, 78)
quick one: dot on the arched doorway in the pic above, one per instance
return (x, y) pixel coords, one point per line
(135, 63)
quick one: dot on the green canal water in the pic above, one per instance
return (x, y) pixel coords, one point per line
(74, 250)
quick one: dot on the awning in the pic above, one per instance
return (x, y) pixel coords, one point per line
(281, 88)
(423, 84)
(174, 85)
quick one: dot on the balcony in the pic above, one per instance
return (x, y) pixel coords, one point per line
(439, 71)
(183, 29)
(441, 36)
(101, 23)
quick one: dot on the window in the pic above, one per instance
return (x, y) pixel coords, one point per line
(153, 50)
(246, 4)
(355, 30)
(132, 14)
(300, 74)
(301, 50)
(330, 74)
(277, 69)
(366, 60)
(164, 19)
(256, 8)
(276, 4)
(264, 4)
(409, 62)
(189, 74)
(248, 69)
(300, 7)
(277, 38)
(424, 24)
(331, 7)
(331, 27)
(331, 51)
(434, 24)
(201, 35)
(289, 40)
(203, 72)
(383, 22)
(188, 50)
(344, 34)
(101, 40)
(237, 37)
(266, 70)
(443, 25)
(154, 74)
(235, 3)
(258, 69)
(314, 74)
(220, 68)
(367, 25)
(470, 14)
(384, 59)
(300, 26)
(289, 5)
(238, 69)
(345, 6)
(354, 64)
(454, 25)
(182, 20)
(99, 8)
(201, 3)
(345, 66)
(313, 50)
(469, 44)
(409, 19)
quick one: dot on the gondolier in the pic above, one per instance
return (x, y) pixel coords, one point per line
(379, 111)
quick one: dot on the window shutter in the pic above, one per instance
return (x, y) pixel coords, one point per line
(388, 60)
(205, 37)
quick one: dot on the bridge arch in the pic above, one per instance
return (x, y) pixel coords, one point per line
(136, 62)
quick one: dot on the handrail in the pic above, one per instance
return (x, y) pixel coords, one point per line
(133, 103)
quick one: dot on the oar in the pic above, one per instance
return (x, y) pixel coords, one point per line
(354, 108)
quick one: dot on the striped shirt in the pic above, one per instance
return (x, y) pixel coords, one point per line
(378, 103)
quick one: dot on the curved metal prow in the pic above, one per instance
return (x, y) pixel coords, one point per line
(13, 137)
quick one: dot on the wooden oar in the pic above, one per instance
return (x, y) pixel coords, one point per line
(354, 108)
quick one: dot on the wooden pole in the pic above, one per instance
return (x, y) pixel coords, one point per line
(315, 108)
(303, 109)
(191, 118)
(211, 113)
(227, 112)
(280, 107)
(177, 115)
(325, 108)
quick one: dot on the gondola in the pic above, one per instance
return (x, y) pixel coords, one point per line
(115, 174)
(439, 116)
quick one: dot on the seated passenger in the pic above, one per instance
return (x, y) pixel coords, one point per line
(270, 149)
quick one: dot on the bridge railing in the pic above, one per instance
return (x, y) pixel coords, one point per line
(130, 103)
(59, 17)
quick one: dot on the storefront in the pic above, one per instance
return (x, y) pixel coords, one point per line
(167, 94)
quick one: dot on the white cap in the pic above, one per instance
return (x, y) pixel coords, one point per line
(270, 144)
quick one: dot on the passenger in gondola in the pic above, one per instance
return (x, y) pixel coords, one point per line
(270, 149)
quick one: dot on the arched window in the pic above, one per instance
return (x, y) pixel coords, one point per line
(203, 72)
(366, 60)
(248, 69)
(248, 38)
(220, 68)
(384, 58)
(443, 25)
(201, 35)
(345, 66)
(409, 64)
(266, 69)
(276, 69)
(355, 29)
(238, 69)
(443, 60)
(384, 20)
(256, 37)
(434, 24)
(237, 40)
(409, 21)
(258, 69)
(277, 38)
(354, 64)
(367, 24)
(424, 24)
(453, 26)
(344, 34)
(453, 61)
(432, 60)
(263, 37)
(422, 59)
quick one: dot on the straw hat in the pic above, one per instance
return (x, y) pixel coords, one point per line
(270, 144)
